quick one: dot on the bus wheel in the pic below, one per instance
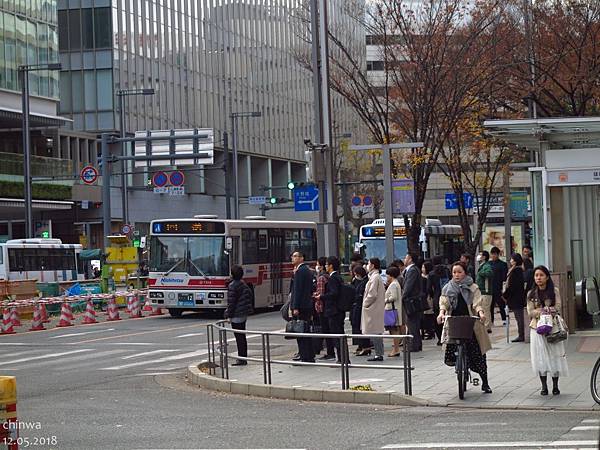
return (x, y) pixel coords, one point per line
(175, 312)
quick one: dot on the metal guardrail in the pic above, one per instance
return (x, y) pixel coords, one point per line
(223, 353)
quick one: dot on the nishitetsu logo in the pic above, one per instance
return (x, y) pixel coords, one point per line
(180, 280)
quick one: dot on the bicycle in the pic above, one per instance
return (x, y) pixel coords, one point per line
(460, 331)
(594, 382)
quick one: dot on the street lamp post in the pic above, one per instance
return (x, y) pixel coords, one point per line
(122, 93)
(234, 116)
(24, 75)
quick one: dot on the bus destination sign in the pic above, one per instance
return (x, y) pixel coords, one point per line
(380, 231)
(188, 227)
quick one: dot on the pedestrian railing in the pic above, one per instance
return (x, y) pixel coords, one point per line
(218, 348)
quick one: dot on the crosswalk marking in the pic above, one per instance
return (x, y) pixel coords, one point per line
(586, 428)
(153, 352)
(81, 334)
(78, 358)
(160, 360)
(47, 356)
(189, 335)
(517, 444)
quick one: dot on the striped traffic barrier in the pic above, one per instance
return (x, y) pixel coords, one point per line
(7, 325)
(37, 323)
(14, 317)
(136, 311)
(66, 315)
(44, 312)
(113, 309)
(90, 314)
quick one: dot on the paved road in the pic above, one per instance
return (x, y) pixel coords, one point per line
(120, 386)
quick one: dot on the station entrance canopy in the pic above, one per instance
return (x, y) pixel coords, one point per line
(565, 188)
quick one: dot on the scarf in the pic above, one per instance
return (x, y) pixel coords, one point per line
(453, 289)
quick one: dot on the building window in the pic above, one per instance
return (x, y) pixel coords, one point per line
(63, 30)
(87, 35)
(102, 30)
(375, 65)
(74, 29)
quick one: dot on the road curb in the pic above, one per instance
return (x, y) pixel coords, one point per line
(198, 378)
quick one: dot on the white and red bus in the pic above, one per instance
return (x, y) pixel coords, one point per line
(190, 260)
(45, 260)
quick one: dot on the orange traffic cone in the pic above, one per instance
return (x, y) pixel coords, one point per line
(37, 324)
(66, 316)
(7, 325)
(90, 315)
(136, 311)
(44, 312)
(113, 310)
(14, 317)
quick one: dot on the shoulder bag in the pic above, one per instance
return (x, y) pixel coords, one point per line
(559, 332)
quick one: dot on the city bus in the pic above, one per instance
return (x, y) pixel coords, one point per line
(45, 260)
(435, 239)
(190, 260)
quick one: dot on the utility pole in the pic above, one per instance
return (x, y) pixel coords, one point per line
(507, 214)
(227, 175)
(323, 161)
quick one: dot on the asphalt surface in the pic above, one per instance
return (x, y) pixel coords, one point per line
(121, 386)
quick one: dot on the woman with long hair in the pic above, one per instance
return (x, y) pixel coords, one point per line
(546, 358)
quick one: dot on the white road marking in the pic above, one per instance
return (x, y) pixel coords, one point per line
(153, 352)
(479, 424)
(160, 360)
(14, 343)
(586, 428)
(50, 355)
(133, 343)
(590, 421)
(524, 444)
(81, 334)
(152, 373)
(189, 335)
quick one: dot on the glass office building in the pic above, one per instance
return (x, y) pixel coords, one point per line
(28, 35)
(205, 59)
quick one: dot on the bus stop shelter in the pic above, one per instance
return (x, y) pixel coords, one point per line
(565, 190)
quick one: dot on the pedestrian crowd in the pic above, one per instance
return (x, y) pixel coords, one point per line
(415, 297)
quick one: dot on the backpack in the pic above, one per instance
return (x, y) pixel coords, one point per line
(347, 296)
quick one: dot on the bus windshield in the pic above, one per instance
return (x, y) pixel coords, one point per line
(375, 248)
(194, 255)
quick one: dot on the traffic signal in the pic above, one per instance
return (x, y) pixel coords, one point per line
(276, 200)
(291, 185)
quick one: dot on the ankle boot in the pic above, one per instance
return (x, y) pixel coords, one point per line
(485, 387)
(555, 390)
(544, 380)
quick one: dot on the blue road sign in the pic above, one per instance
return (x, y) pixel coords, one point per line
(306, 198)
(451, 202)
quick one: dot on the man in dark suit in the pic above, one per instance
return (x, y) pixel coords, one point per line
(333, 314)
(500, 269)
(301, 301)
(411, 295)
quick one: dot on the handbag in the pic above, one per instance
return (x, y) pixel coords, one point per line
(390, 318)
(296, 326)
(559, 332)
(544, 325)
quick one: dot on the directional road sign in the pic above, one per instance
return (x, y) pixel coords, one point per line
(306, 198)
(257, 200)
(452, 203)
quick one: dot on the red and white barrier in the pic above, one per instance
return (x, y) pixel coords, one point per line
(113, 310)
(136, 311)
(37, 324)
(90, 314)
(14, 317)
(66, 316)
(147, 306)
(44, 312)
(7, 325)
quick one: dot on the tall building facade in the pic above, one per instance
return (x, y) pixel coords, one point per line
(29, 36)
(205, 59)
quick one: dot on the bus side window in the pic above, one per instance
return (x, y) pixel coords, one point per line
(249, 246)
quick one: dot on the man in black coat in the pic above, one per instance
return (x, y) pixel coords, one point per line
(500, 269)
(333, 314)
(411, 295)
(301, 301)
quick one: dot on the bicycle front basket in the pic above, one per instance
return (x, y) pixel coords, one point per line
(460, 327)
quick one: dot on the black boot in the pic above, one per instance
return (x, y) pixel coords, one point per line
(555, 390)
(485, 387)
(544, 381)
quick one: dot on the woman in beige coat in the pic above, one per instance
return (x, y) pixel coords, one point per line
(462, 297)
(373, 308)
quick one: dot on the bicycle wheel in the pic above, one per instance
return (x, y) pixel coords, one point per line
(460, 371)
(594, 382)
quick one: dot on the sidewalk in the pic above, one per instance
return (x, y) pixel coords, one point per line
(511, 378)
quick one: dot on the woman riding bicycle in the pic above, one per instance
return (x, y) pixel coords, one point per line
(461, 297)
